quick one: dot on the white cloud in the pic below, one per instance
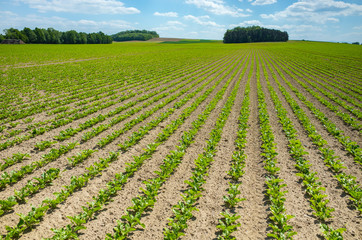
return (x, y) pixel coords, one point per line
(295, 31)
(81, 6)
(218, 7)
(358, 27)
(166, 14)
(201, 21)
(63, 24)
(250, 23)
(263, 2)
(175, 23)
(170, 26)
(318, 11)
(286, 27)
(7, 13)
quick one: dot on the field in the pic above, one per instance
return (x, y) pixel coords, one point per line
(193, 141)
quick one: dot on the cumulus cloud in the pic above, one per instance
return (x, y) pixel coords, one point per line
(358, 27)
(81, 6)
(250, 23)
(263, 2)
(170, 26)
(318, 11)
(218, 7)
(166, 14)
(295, 31)
(63, 24)
(202, 21)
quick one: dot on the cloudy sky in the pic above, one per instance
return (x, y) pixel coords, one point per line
(323, 20)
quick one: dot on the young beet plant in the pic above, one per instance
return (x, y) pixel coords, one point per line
(115, 185)
(228, 223)
(296, 149)
(332, 161)
(281, 228)
(16, 158)
(183, 210)
(134, 213)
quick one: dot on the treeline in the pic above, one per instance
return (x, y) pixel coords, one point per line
(140, 35)
(52, 36)
(254, 34)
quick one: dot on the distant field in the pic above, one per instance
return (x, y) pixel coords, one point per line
(195, 140)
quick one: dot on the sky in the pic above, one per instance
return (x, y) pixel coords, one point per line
(320, 20)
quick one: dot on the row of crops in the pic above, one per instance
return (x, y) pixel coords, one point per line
(196, 141)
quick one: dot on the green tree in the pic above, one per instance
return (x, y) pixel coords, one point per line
(32, 38)
(254, 34)
(54, 36)
(40, 35)
(71, 37)
(13, 33)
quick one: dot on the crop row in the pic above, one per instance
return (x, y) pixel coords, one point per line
(311, 183)
(352, 147)
(78, 182)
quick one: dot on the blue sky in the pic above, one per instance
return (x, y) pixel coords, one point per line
(322, 20)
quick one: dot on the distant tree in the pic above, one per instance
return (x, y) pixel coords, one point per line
(254, 34)
(71, 37)
(82, 38)
(140, 35)
(357, 43)
(13, 33)
(32, 38)
(40, 35)
(52, 36)
(91, 38)
(1, 37)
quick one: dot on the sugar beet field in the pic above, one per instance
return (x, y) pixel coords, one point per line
(192, 141)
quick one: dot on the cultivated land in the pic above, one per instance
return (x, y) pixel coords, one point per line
(199, 140)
